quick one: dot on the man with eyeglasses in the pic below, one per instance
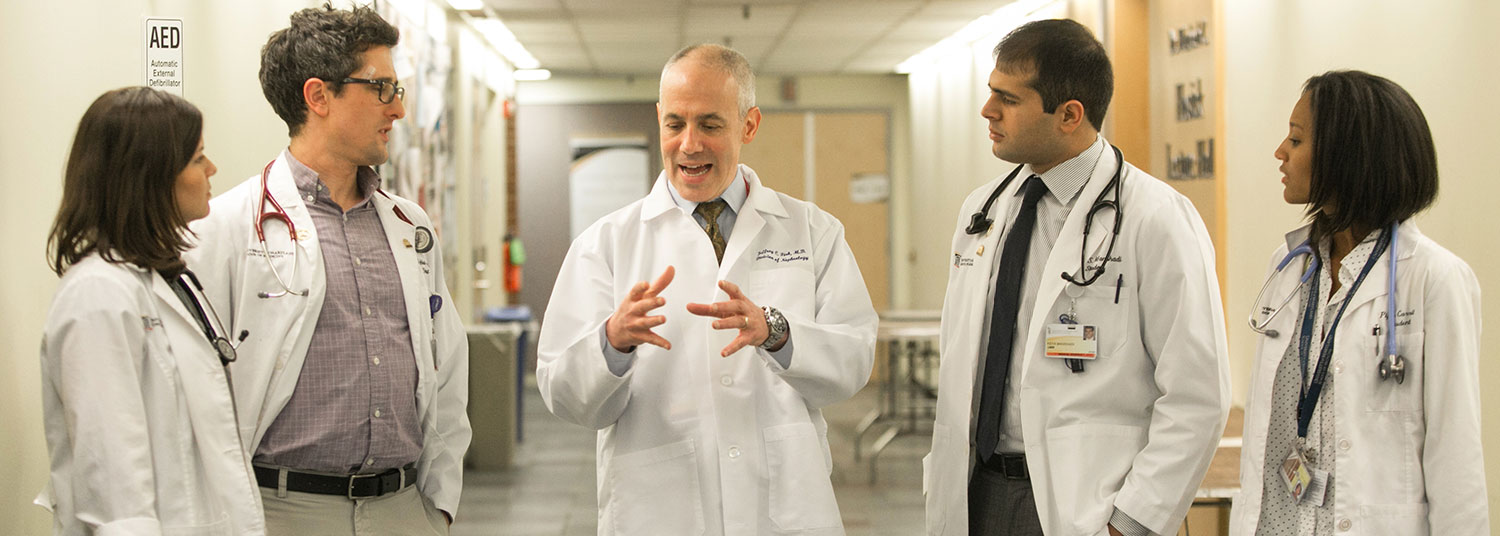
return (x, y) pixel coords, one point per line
(352, 380)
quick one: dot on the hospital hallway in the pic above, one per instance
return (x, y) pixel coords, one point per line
(549, 490)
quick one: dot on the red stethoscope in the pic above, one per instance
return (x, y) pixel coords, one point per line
(278, 213)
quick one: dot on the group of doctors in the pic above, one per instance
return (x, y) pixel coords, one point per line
(1083, 389)
(1084, 383)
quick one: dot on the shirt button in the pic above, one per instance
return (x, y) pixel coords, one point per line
(1345, 524)
(357, 262)
(1338, 367)
(734, 452)
(375, 360)
(369, 461)
(309, 198)
(726, 381)
(367, 310)
(1343, 444)
(377, 414)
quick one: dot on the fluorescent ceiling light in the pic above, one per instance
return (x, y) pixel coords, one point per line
(973, 31)
(532, 75)
(466, 5)
(503, 40)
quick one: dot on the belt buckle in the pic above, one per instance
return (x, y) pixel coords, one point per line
(349, 493)
(1014, 467)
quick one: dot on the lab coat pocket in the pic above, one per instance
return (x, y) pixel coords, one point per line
(790, 290)
(1091, 463)
(1387, 395)
(1111, 310)
(801, 494)
(655, 491)
(1391, 519)
(222, 527)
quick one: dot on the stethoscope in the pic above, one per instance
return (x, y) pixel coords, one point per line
(214, 330)
(1393, 365)
(980, 222)
(423, 235)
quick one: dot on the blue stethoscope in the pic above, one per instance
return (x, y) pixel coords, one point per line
(1393, 365)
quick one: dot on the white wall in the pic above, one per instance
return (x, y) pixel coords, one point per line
(1443, 53)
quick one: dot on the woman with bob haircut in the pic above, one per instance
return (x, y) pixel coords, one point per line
(139, 417)
(1363, 411)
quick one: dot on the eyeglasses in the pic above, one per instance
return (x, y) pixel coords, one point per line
(388, 91)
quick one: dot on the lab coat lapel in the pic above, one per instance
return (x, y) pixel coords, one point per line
(1064, 256)
(750, 221)
(398, 235)
(167, 297)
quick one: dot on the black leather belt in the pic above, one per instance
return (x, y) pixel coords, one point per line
(353, 486)
(1011, 466)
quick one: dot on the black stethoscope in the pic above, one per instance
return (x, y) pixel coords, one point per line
(213, 330)
(980, 222)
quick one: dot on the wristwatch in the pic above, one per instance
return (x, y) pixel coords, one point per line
(777, 326)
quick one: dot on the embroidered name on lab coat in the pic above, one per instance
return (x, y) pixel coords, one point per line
(781, 256)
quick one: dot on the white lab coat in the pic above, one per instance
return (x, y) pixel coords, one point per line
(1408, 459)
(229, 261)
(689, 442)
(138, 413)
(1137, 428)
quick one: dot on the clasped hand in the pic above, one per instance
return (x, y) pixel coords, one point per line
(632, 324)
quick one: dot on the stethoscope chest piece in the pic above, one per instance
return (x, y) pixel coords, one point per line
(1393, 367)
(227, 353)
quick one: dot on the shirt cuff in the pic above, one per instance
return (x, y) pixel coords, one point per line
(618, 362)
(783, 356)
(1127, 525)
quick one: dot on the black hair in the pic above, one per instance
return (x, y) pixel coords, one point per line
(1066, 63)
(323, 43)
(1373, 159)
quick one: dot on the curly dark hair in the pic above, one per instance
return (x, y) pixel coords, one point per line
(323, 43)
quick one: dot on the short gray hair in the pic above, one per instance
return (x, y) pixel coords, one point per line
(725, 60)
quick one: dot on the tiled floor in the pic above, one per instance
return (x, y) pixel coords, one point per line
(550, 489)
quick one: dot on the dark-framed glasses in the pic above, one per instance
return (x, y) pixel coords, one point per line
(388, 91)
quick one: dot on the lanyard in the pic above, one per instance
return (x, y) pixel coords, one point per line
(1307, 399)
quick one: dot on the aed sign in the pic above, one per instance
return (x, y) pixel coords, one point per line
(164, 54)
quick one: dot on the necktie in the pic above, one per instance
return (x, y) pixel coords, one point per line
(1003, 316)
(710, 212)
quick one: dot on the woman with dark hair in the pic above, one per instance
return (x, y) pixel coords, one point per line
(1363, 410)
(139, 417)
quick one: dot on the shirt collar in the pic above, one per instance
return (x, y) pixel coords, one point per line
(1065, 180)
(308, 182)
(734, 195)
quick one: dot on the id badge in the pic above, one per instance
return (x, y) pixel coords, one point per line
(1072, 341)
(1294, 474)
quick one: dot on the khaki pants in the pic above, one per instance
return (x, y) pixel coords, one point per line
(405, 513)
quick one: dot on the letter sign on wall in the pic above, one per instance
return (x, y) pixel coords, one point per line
(164, 54)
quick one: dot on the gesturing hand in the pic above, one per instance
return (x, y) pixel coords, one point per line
(736, 313)
(630, 326)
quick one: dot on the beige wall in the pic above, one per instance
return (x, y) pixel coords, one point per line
(58, 57)
(1441, 52)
